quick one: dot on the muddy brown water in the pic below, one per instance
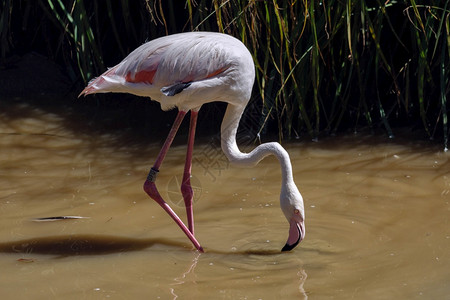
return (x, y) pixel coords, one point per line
(377, 220)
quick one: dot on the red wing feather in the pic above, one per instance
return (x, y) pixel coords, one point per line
(143, 76)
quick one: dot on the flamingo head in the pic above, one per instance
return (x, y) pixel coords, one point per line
(292, 206)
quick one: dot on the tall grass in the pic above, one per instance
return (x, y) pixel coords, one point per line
(322, 66)
(344, 64)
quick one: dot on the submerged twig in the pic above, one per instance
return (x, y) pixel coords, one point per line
(58, 218)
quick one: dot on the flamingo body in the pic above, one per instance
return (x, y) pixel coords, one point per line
(214, 66)
(187, 70)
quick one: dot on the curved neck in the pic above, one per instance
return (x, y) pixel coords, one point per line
(229, 128)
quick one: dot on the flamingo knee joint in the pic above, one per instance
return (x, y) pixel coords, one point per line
(152, 175)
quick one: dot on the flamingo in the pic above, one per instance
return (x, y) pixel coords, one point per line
(187, 70)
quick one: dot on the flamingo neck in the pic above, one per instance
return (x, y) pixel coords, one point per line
(229, 128)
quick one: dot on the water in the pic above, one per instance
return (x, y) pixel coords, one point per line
(377, 219)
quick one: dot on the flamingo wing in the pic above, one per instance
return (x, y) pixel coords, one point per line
(140, 66)
(165, 67)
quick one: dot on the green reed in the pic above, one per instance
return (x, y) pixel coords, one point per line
(347, 64)
(322, 66)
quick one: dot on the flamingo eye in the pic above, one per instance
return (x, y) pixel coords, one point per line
(296, 211)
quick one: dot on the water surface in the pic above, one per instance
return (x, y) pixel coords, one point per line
(377, 219)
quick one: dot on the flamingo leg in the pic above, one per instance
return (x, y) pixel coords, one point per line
(169, 139)
(152, 191)
(186, 188)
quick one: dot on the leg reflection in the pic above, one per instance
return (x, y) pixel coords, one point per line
(183, 277)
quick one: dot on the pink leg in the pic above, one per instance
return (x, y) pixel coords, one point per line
(186, 188)
(169, 139)
(152, 191)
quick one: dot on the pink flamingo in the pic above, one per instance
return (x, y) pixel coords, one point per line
(185, 71)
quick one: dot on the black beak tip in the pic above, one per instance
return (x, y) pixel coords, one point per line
(288, 247)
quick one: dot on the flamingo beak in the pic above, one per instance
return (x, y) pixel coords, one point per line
(296, 234)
